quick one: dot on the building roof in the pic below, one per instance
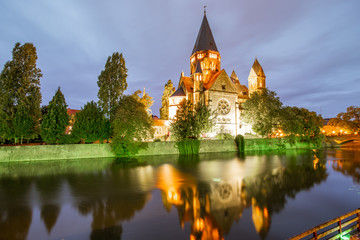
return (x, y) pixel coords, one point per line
(234, 77)
(178, 93)
(211, 81)
(257, 68)
(159, 122)
(72, 111)
(198, 67)
(205, 39)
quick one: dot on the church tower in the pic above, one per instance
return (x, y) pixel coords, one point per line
(205, 54)
(256, 80)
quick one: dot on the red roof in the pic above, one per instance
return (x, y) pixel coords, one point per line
(72, 111)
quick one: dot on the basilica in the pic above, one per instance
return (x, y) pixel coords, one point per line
(212, 86)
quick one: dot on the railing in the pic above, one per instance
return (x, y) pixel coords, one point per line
(333, 229)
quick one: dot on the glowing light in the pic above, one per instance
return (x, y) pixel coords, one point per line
(199, 224)
(213, 55)
(333, 132)
(200, 55)
(192, 59)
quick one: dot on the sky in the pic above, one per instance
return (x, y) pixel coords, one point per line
(309, 49)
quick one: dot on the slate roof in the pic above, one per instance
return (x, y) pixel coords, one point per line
(205, 39)
(198, 67)
(178, 93)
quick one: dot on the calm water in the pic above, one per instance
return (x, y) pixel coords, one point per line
(256, 196)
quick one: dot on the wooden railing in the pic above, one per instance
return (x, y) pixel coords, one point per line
(333, 229)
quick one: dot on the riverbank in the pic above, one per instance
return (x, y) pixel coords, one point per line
(78, 151)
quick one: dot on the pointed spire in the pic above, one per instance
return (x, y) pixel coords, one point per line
(198, 67)
(257, 67)
(205, 39)
(234, 77)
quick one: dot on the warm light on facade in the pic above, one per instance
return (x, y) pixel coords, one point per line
(213, 55)
(200, 55)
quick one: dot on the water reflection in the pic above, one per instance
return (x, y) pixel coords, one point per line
(212, 207)
(209, 192)
(347, 162)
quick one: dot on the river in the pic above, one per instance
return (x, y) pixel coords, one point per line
(265, 195)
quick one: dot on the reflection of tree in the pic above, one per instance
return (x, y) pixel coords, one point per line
(269, 192)
(347, 167)
(15, 214)
(48, 188)
(111, 197)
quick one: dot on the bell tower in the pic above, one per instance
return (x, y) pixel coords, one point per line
(205, 54)
(257, 78)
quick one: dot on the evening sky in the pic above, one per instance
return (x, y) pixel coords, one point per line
(309, 49)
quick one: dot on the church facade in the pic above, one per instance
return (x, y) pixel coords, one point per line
(212, 86)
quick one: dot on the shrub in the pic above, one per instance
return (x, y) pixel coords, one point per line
(188, 146)
(240, 142)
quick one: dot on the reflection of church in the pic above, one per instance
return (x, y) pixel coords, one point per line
(211, 85)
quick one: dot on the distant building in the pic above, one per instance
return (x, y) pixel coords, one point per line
(212, 86)
(71, 113)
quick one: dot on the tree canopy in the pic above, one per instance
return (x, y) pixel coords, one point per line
(144, 99)
(191, 122)
(131, 125)
(168, 91)
(349, 120)
(20, 86)
(54, 123)
(112, 83)
(301, 122)
(90, 124)
(262, 110)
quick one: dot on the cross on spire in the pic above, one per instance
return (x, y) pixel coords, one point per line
(205, 10)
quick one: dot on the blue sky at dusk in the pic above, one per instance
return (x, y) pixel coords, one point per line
(309, 50)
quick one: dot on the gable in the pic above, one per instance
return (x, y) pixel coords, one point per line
(223, 83)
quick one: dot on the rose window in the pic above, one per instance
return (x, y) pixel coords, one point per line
(223, 107)
(225, 191)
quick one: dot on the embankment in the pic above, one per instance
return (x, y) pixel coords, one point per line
(77, 151)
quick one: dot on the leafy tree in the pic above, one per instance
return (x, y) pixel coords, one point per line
(20, 86)
(3, 125)
(23, 123)
(144, 99)
(131, 125)
(190, 122)
(56, 120)
(302, 122)
(262, 110)
(112, 83)
(168, 91)
(90, 124)
(351, 118)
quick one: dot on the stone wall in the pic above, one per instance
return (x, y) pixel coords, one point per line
(76, 151)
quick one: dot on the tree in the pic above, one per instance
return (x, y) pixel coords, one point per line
(262, 110)
(131, 125)
(112, 83)
(190, 122)
(56, 120)
(90, 124)
(351, 118)
(144, 99)
(302, 122)
(23, 123)
(168, 91)
(20, 86)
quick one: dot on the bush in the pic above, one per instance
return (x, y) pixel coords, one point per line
(224, 136)
(188, 146)
(240, 142)
(157, 140)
